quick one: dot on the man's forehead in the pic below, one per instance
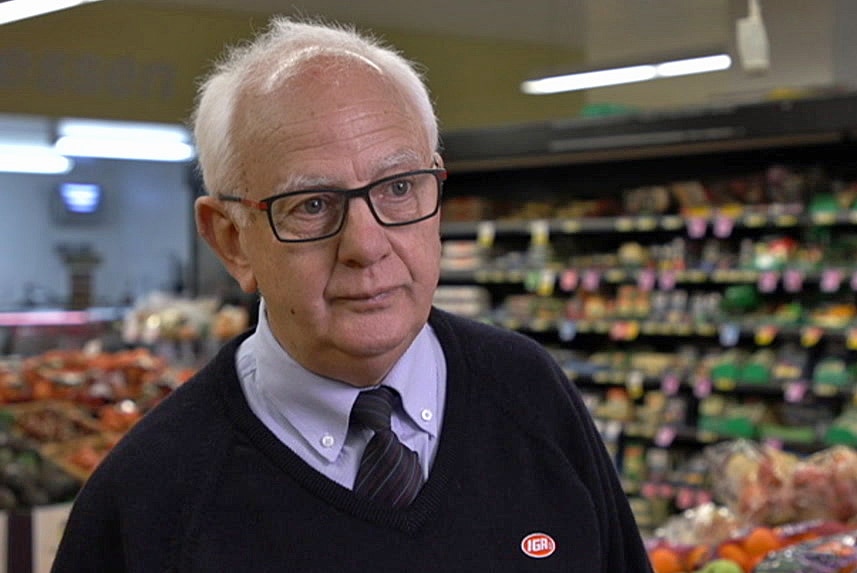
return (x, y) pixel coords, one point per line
(307, 62)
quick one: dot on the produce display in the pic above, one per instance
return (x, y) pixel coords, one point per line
(765, 485)
(63, 410)
(807, 547)
(711, 326)
(27, 478)
(777, 512)
(162, 317)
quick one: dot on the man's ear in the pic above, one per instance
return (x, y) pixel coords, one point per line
(224, 237)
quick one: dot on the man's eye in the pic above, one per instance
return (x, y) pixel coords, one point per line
(314, 205)
(400, 187)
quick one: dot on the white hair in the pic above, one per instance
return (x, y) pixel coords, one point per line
(273, 56)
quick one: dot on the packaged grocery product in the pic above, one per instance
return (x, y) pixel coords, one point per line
(831, 554)
(825, 485)
(707, 523)
(755, 481)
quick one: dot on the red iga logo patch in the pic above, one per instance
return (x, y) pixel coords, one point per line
(538, 545)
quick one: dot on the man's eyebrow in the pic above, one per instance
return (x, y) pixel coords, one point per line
(301, 181)
(404, 157)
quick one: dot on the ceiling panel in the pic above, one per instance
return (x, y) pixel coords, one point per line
(543, 21)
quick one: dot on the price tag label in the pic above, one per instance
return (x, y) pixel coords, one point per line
(624, 330)
(831, 280)
(702, 387)
(624, 224)
(615, 276)
(568, 280)
(826, 218)
(723, 227)
(571, 226)
(768, 281)
(647, 223)
(685, 498)
(591, 280)
(766, 334)
(697, 276)
(793, 280)
(810, 336)
(646, 280)
(730, 334)
(787, 221)
(567, 330)
(634, 383)
(755, 220)
(485, 233)
(851, 339)
(672, 222)
(795, 391)
(649, 490)
(774, 443)
(665, 436)
(670, 384)
(725, 384)
(539, 233)
(696, 227)
(667, 280)
(531, 281)
(547, 282)
(613, 430)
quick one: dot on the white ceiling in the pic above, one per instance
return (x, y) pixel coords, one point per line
(543, 21)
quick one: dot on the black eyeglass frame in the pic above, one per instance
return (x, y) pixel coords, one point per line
(439, 173)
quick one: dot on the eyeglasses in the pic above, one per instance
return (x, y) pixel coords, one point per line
(312, 215)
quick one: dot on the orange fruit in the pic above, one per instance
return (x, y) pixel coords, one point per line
(665, 560)
(761, 540)
(696, 557)
(735, 552)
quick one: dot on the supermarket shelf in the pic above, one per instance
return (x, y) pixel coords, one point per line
(632, 328)
(772, 217)
(54, 317)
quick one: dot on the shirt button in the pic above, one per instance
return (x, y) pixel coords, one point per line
(327, 441)
(426, 415)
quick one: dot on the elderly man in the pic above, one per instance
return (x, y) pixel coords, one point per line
(355, 428)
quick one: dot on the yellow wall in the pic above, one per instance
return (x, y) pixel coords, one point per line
(133, 61)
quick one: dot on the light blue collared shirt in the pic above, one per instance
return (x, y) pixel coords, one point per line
(309, 413)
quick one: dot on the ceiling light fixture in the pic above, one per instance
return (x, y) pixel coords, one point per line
(40, 159)
(14, 10)
(123, 140)
(626, 75)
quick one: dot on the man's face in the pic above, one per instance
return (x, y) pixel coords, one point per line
(348, 306)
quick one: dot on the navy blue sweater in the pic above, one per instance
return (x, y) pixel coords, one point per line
(201, 485)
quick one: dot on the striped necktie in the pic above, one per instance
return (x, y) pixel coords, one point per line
(389, 472)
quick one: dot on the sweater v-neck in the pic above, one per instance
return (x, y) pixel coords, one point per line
(408, 519)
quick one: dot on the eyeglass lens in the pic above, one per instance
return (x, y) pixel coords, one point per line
(314, 214)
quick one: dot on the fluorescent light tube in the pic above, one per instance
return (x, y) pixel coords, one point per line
(626, 75)
(33, 159)
(124, 149)
(14, 10)
(124, 140)
(586, 80)
(694, 66)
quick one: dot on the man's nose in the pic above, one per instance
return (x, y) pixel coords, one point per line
(363, 239)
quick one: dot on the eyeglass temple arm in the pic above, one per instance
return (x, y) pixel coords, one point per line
(260, 205)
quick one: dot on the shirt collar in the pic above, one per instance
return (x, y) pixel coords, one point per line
(318, 407)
